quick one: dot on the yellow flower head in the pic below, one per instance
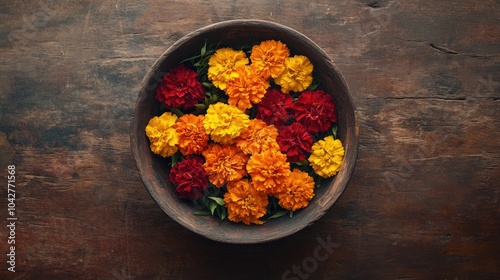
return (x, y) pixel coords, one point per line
(162, 136)
(223, 64)
(258, 137)
(192, 136)
(297, 191)
(268, 170)
(224, 122)
(246, 89)
(269, 58)
(244, 203)
(297, 75)
(326, 156)
(224, 164)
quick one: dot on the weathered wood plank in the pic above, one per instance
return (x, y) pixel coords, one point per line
(422, 203)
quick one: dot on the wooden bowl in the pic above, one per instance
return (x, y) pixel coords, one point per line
(152, 168)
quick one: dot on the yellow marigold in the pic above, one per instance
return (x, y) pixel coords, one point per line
(246, 89)
(192, 136)
(269, 58)
(224, 122)
(222, 65)
(162, 136)
(224, 163)
(244, 203)
(298, 190)
(258, 137)
(326, 156)
(268, 169)
(297, 75)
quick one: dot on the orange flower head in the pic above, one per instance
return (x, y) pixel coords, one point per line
(244, 203)
(269, 58)
(258, 137)
(224, 163)
(192, 136)
(298, 190)
(247, 88)
(268, 169)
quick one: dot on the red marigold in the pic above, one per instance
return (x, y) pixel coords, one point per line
(180, 88)
(315, 110)
(275, 108)
(295, 142)
(190, 178)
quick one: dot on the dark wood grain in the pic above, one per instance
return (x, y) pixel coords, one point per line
(422, 202)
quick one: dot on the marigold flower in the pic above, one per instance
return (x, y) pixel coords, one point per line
(298, 190)
(269, 58)
(315, 110)
(192, 136)
(190, 178)
(258, 137)
(295, 142)
(223, 64)
(275, 108)
(326, 156)
(246, 89)
(224, 163)
(268, 170)
(297, 75)
(224, 122)
(162, 136)
(180, 88)
(244, 203)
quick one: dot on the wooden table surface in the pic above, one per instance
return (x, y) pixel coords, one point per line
(423, 202)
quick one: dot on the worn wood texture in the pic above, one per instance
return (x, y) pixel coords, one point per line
(422, 202)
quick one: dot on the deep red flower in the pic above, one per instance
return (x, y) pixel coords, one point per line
(180, 88)
(315, 110)
(275, 108)
(295, 142)
(190, 178)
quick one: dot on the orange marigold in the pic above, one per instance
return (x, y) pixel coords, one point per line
(192, 136)
(244, 203)
(268, 170)
(258, 137)
(298, 190)
(247, 88)
(224, 163)
(269, 58)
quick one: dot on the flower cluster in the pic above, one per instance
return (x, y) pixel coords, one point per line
(246, 131)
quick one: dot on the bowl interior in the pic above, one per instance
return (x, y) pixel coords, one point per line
(152, 168)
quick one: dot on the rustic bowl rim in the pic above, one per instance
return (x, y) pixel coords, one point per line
(242, 234)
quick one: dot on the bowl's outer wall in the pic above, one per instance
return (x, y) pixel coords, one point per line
(153, 169)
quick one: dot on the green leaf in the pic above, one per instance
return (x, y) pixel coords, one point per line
(302, 163)
(201, 106)
(178, 112)
(334, 131)
(218, 200)
(204, 49)
(223, 214)
(176, 158)
(278, 214)
(212, 205)
(291, 214)
(201, 213)
(207, 84)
